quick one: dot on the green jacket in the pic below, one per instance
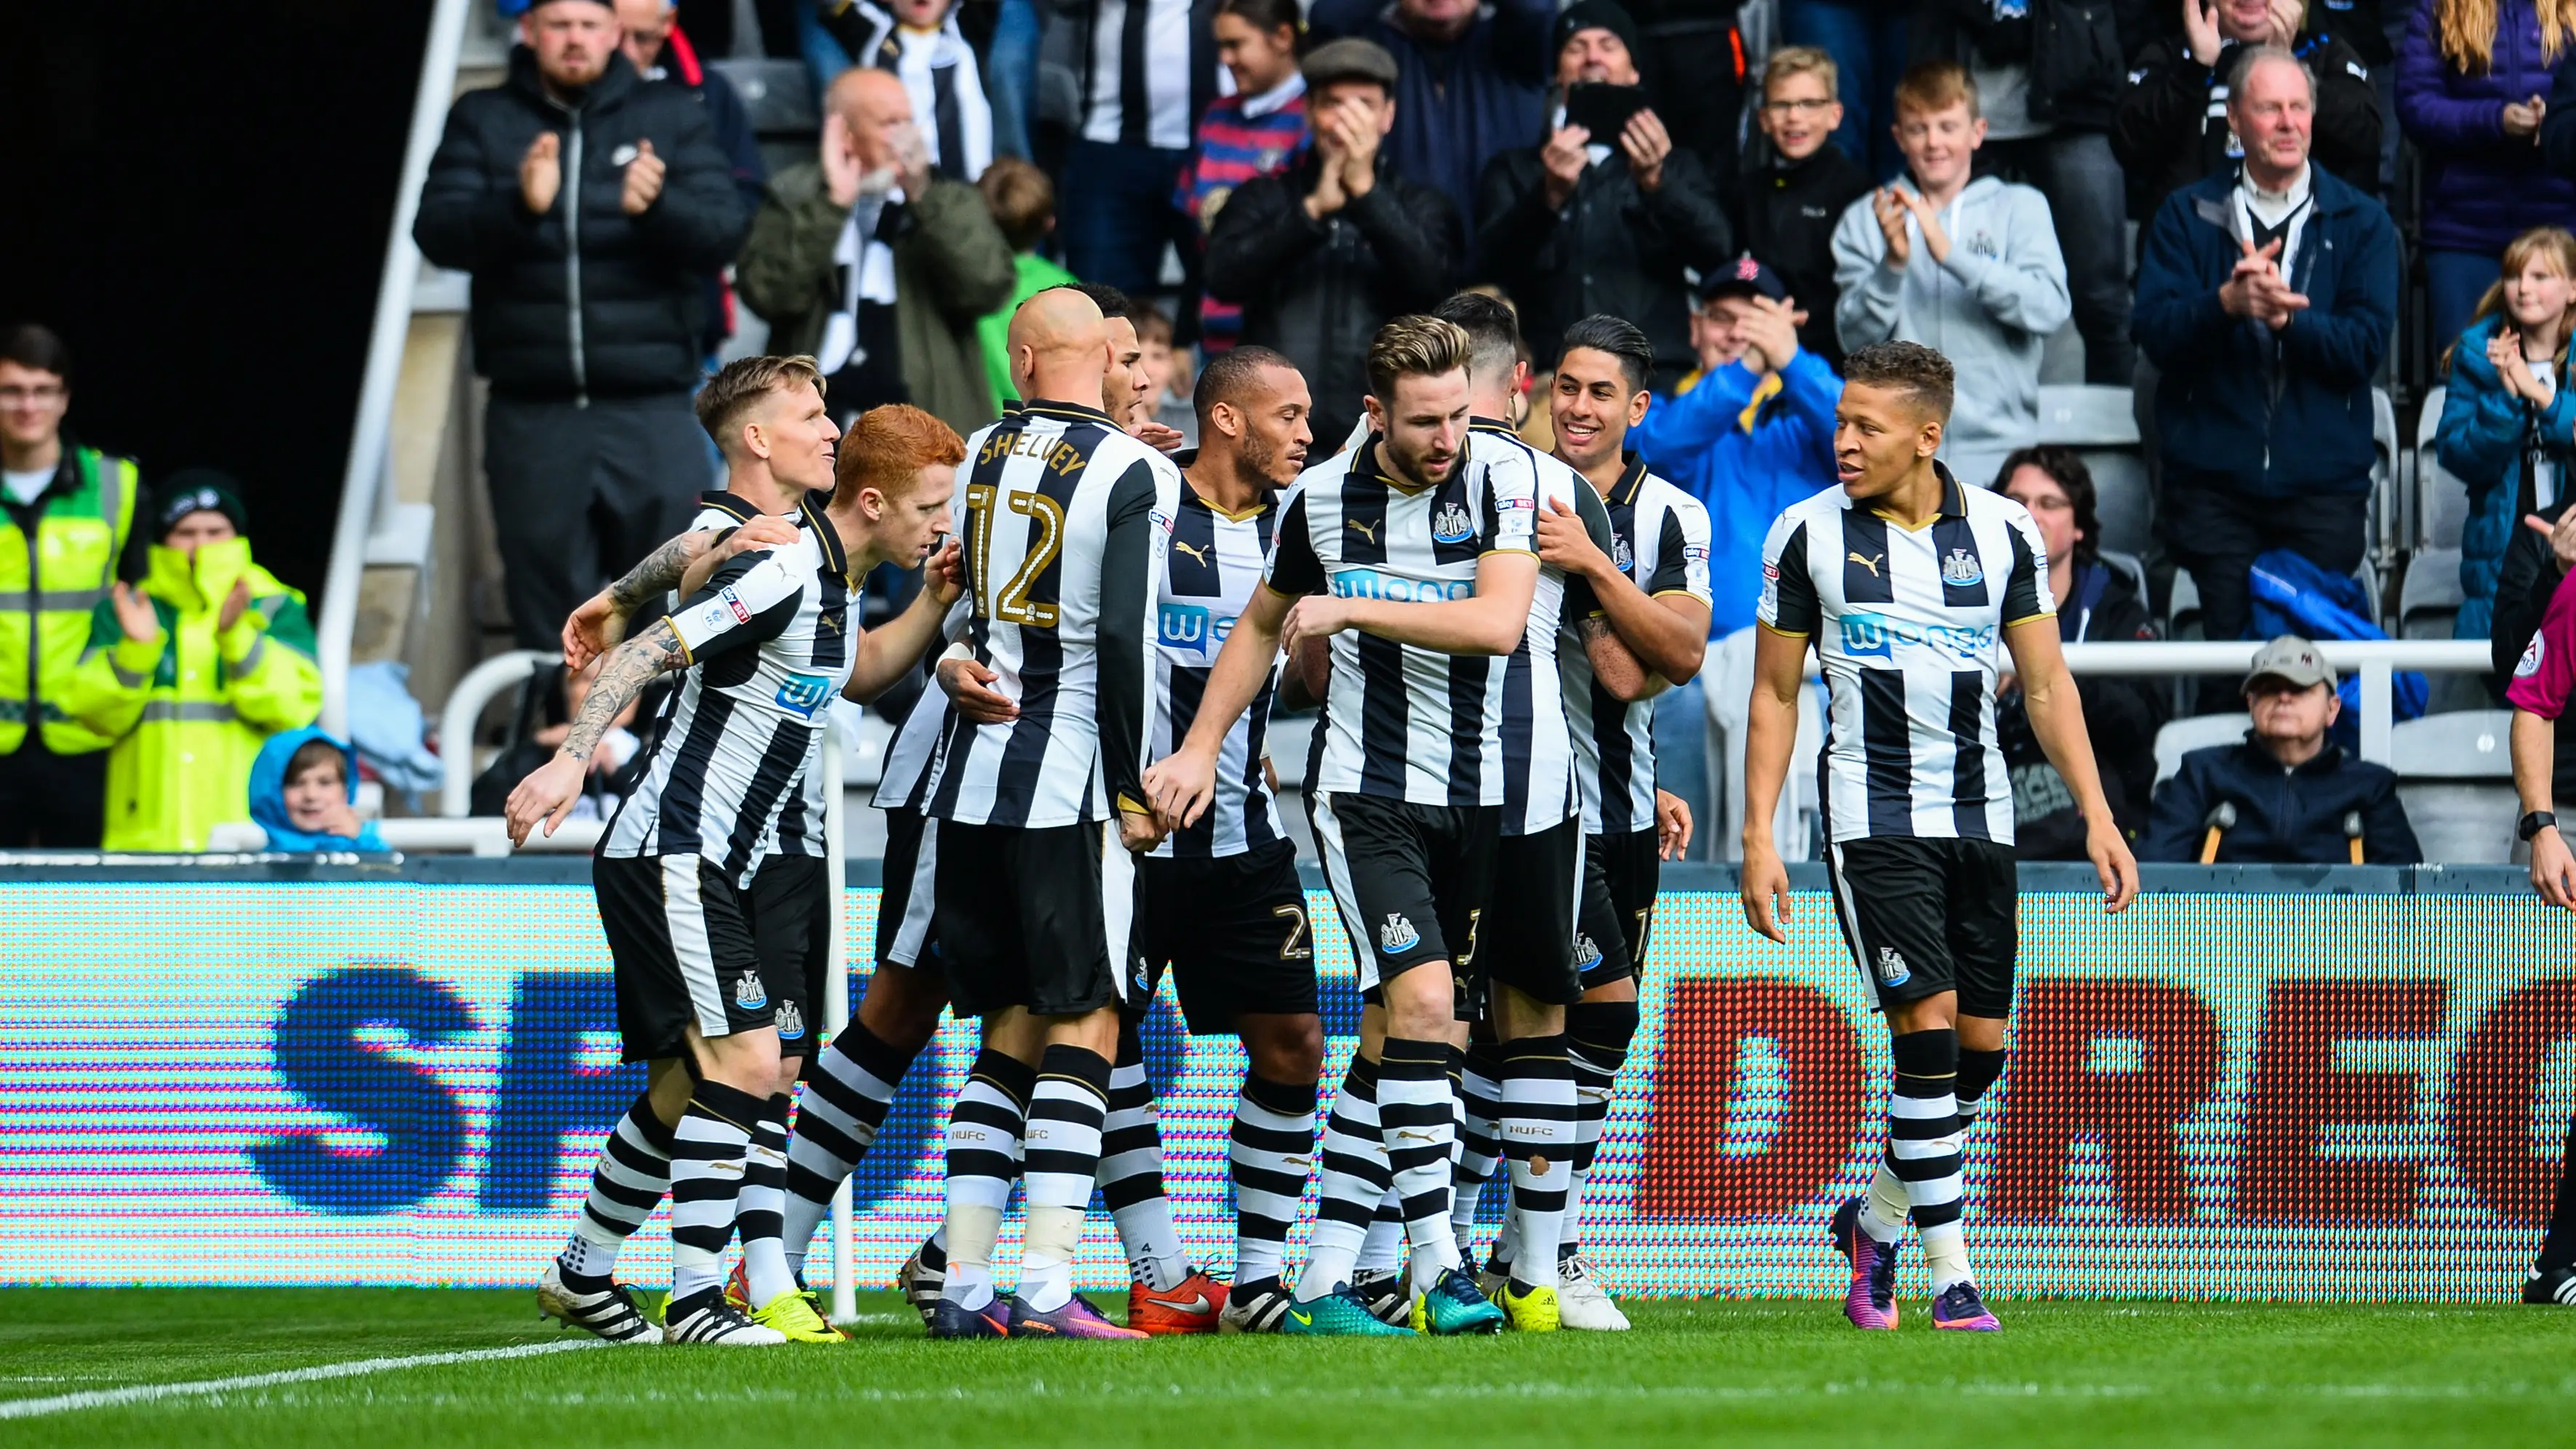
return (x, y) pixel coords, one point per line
(1036, 275)
(57, 557)
(951, 267)
(189, 707)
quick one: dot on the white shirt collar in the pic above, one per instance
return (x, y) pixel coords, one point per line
(1256, 107)
(2284, 199)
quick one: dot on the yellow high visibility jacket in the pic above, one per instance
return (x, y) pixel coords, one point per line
(189, 707)
(50, 582)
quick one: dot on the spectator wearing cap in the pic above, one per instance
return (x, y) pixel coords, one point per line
(1473, 83)
(2267, 295)
(2287, 795)
(879, 266)
(67, 516)
(1967, 265)
(590, 207)
(1794, 199)
(1322, 254)
(1611, 224)
(192, 671)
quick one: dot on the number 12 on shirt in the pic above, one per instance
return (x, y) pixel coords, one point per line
(1011, 604)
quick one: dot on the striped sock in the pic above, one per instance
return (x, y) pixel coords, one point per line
(1597, 1034)
(1538, 1140)
(1923, 1139)
(1352, 1176)
(708, 1149)
(634, 1172)
(1131, 1171)
(1382, 1251)
(848, 1090)
(1479, 1138)
(1418, 1121)
(1066, 1115)
(1272, 1150)
(984, 1132)
(765, 1272)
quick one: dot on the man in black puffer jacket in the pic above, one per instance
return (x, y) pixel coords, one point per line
(1318, 263)
(589, 205)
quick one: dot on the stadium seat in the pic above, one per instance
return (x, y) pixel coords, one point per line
(2088, 417)
(2101, 424)
(2387, 474)
(779, 95)
(2441, 503)
(2196, 733)
(2129, 565)
(2456, 779)
(2430, 598)
(2182, 611)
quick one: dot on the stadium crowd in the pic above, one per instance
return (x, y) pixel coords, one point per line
(2199, 193)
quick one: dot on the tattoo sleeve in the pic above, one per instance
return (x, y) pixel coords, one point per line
(660, 571)
(634, 664)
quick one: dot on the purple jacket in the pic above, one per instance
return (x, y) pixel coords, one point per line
(2482, 188)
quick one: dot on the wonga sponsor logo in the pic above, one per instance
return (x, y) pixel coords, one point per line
(1370, 584)
(1193, 629)
(803, 694)
(1875, 636)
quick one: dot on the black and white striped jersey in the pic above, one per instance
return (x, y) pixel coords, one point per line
(1399, 722)
(905, 782)
(1908, 625)
(1215, 563)
(1064, 519)
(1659, 539)
(1538, 744)
(800, 820)
(769, 644)
(1148, 70)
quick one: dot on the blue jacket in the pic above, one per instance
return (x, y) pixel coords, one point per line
(2222, 416)
(268, 796)
(2283, 817)
(1457, 106)
(1698, 442)
(2482, 188)
(2481, 443)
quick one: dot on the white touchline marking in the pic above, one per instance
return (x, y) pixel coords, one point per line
(146, 1393)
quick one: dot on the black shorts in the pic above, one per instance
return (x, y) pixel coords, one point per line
(680, 935)
(1410, 880)
(1233, 930)
(1538, 885)
(904, 904)
(1033, 918)
(1620, 874)
(791, 932)
(1928, 915)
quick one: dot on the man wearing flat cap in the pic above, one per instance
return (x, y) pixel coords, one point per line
(2288, 795)
(1611, 223)
(1321, 255)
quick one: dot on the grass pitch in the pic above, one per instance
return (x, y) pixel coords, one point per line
(1776, 1371)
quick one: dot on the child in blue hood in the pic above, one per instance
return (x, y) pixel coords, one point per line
(301, 791)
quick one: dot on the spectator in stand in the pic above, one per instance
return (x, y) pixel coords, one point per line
(1022, 202)
(1964, 264)
(1164, 369)
(1586, 224)
(1258, 131)
(610, 779)
(919, 42)
(1792, 204)
(1473, 84)
(2048, 79)
(304, 793)
(1870, 46)
(2472, 83)
(2172, 129)
(2267, 295)
(590, 208)
(67, 531)
(1321, 255)
(878, 266)
(660, 51)
(2095, 602)
(189, 673)
(2509, 416)
(2296, 798)
(1148, 71)
(1749, 433)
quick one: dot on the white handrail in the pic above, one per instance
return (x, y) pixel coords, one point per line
(369, 436)
(836, 1002)
(464, 707)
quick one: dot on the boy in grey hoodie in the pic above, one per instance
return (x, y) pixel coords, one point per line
(1969, 268)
